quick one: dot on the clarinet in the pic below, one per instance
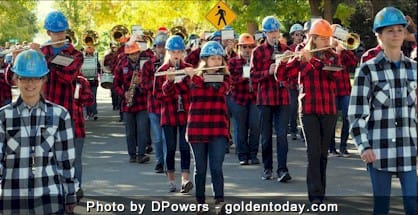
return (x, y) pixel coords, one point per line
(180, 106)
(275, 50)
(250, 82)
(132, 86)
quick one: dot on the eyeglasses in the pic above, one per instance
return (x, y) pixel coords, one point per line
(27, 80)
(247, 47)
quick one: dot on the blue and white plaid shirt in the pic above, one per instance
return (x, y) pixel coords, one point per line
(36, 158)
(382, 112)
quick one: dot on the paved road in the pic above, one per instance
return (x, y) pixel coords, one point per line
(110, 178)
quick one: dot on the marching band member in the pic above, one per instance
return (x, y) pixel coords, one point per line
(91, 110)
(245, 115)
(134, 103)
(154, 105)
(207, 124)
(107, 63)
(193, 57)
(296, 32)
(60, 86)
(174, 110)
(272, 100)
(317, 105)
(342, 93)
(382, 114)
(6, 89)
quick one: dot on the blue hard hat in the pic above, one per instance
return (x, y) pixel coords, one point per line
(160, 39)
(307, 26)
(175, 43)
(8, 58)
(389, 16)
(55, 21)
(296, 27)
(212, 48)
(31, 64)
(215, 35)
(270, 23)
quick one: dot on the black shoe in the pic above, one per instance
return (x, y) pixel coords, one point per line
(186, 187)
(79, 194)
(283, 176)
(132, 159)
(148, 149)
(345, 153)
(142, 159)
(159, 168)
(334, 153)
(267, 174)
(254, 161)
(243, 162)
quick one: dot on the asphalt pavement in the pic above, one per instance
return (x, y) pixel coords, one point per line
(113, 185)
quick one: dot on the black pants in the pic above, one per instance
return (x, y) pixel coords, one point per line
(318, 130)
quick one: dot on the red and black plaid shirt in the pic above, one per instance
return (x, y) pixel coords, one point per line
(240, 87)
(318, 86)
(59, 88)
(6, 89)
(147, 82)
(193, 57)
(349, 61)
(207, 117)
(230, 55)
(107, 61)
(269, 91)
(121, 83)
(166, 93)
(86, 98)
(371, 53)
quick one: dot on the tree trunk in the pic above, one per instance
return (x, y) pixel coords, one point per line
(314, 5)
(328, 14)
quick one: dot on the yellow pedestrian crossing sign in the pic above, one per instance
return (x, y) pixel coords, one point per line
(221, 15)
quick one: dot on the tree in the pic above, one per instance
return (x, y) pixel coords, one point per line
(17, 20)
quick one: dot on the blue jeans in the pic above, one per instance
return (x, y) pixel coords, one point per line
(171, 133)
(157, 137)
(246, 122)
(293, 111)
(342, 104)
(279, 117)
(136, 126)
(381, 183)
(92, 110)
(78, 163)
(215, 151)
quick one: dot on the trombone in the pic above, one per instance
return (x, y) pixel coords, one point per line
(27, 47)
(181, 71)
(349, 41)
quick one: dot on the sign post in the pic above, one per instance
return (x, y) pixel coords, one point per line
(221, 15)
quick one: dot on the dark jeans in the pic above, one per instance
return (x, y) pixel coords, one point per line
(215, 153)
(293, 111)
(342, 104)
(116, 99)
(157, 137)
(136, 126)
(92, 109)
(170, 133)
(246, 122)
(381, 183)
(318, 131)
(279, 117)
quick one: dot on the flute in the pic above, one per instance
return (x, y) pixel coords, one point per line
(283, 56)
(181, 71)
(27, 47)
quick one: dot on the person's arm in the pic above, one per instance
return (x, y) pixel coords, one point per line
(65, 154)
(359, 109)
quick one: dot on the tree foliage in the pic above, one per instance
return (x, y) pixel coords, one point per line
(17, 20)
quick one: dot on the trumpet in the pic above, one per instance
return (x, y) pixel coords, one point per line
(349, 41)
(27, 47)
(182, 71)
(294, 54)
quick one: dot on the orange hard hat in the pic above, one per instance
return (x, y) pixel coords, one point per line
(321, 28)
(131, 48)
(246, 39)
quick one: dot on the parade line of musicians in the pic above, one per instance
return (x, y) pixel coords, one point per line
(184, 94)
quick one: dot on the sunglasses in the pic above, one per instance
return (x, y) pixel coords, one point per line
(247, 47)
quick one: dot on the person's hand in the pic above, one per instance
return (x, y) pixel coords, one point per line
(305, 55)
(170, 77)
(69, 209)
(35, 46)
(272, 69)
(189, 71)
(368, 156)
(411, 25)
